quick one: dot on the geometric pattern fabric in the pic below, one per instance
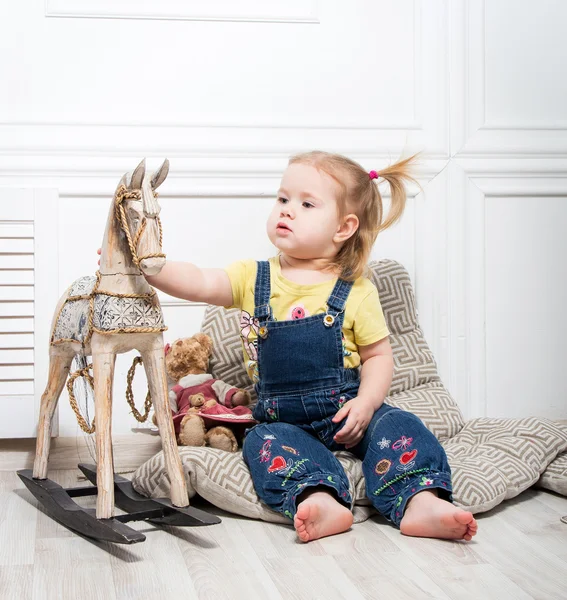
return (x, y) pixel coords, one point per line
(110, 313)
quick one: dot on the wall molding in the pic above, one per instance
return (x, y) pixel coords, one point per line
(474, 135)
(232, 137)
(477, 52)
(472, 318)
(222, 176)
(470, 192)
(258, 176)
(276, 11)
(371, 133)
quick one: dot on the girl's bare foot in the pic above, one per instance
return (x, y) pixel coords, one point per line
(427, 515)
(320, 515)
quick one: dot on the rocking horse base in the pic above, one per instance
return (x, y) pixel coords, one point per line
(59, 504)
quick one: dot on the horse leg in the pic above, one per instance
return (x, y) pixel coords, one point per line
(153, 360)
(103, 369)
(59, 363)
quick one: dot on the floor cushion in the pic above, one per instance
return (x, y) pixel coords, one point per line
(491, 459)
(554, 478)
(495, 459)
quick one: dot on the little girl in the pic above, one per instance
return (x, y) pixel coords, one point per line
(309, 319)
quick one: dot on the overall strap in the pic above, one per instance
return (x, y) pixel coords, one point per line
(337, 299)
(262, 308)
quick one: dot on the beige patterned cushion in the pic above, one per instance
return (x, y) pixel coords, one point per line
(223, 326)
(554, 477)
(495, 459)
(491, 459)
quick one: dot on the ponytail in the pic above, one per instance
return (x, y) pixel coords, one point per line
(396, 175)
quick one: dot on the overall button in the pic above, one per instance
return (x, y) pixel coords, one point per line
(263, 331)
(329, 320)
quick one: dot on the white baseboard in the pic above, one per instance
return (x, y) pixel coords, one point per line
(130, 451)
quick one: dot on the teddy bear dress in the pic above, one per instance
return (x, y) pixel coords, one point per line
(222, 413)
(302, 384)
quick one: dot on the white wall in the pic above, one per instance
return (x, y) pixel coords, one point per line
(89, 88)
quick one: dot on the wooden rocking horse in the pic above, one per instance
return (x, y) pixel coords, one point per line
(112, 313)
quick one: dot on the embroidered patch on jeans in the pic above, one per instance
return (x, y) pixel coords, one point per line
(405, 468)
(290, 449)
(278, 463)
(402, 444)
(384, 443)
(397, 478)
(426, 481)
(265, 453)
(383, 466)
(407, 457)
(292, 468)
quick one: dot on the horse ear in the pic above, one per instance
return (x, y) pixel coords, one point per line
(160, 175)
(138, 176)
(124, 180)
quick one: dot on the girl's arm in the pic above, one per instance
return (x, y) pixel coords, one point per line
(376, 373)
(187, 281)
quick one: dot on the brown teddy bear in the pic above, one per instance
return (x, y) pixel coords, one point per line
(202, 407)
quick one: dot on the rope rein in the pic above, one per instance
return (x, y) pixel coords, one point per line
(130, 396)
(73, 402)
(141, 418)
(122, 193)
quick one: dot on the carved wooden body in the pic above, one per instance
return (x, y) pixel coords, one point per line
(120, 273)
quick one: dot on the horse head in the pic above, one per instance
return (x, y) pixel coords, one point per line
(139, 213)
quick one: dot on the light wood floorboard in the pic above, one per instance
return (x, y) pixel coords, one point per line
(519, 553)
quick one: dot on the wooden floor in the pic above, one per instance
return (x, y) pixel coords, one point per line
(519, 553)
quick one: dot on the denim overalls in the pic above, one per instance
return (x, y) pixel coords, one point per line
(302, 384)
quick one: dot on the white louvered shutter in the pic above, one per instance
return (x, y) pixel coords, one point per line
(28, 295)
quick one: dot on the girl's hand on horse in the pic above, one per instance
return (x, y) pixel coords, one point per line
(359, 412)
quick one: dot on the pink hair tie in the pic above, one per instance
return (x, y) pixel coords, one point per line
(373, 175)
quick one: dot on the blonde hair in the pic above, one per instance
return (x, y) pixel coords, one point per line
(359, 194)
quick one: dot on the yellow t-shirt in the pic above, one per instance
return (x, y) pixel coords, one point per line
(363, 322)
